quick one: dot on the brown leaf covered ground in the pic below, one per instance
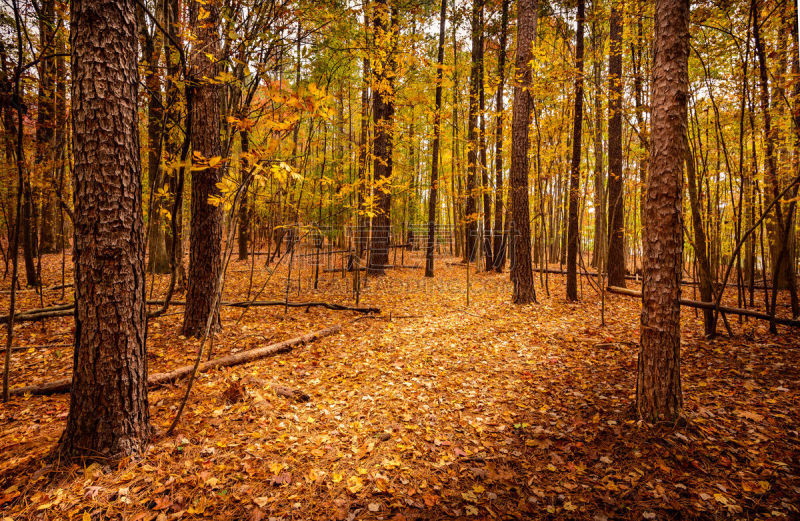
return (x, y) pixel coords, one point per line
(432, 410)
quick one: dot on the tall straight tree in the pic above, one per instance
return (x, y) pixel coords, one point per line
(521, 267)
(575, 168)
(383, 119)
(658, 384)
(48, 231)
(437, 120)
(599, 244)
(151, 43)
(363, 141)
(108, 411)
(616, 219)
(484, 165)
(499, 246)
(471, 208)
(205, 236)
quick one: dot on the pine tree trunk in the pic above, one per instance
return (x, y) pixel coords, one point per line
(109, 413)
(616, 218)
(437, 118)
(520, 233)
(205, 236)
(575, 168)
(658, 384)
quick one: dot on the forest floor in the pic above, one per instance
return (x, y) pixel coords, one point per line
(430, 410)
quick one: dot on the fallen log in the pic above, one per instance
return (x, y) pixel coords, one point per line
(160, 379)
(710, 305)
(65, 310)
(363, 268)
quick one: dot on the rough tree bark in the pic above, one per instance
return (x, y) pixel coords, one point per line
(575, 167)
(205, 236)
(616, 218)
(520, 234)
(108, 414)
(437, 119)
(658, 383)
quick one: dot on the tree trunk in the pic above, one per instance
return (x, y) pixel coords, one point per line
(205, 236)
(499, 246)
(599, 244)
(29, 233)
(471, 207)
(484, 166)
(109, 413)
(700, 243)
(45, 126)
(62, 131)
(575, 168)
(616, 217)
(362, 232)
(383, 119)
(174, 241)
(158, 260)
(520, 234)
(437, 119)
(246, 206)
(658, 383)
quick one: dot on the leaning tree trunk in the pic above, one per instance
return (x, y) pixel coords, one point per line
(383, 118)
(499, 246)
(520, 234)
(575, 167)
(616, 219)
(437, 119)
(108, 414)
(205, 236)
(658, 383)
